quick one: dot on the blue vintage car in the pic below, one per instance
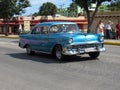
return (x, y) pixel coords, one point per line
(61, 39)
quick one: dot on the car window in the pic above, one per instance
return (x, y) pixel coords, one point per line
(40, 30)
(35, 30)
(71, 28)
(44, 30)
(54, 29)
(68, 28)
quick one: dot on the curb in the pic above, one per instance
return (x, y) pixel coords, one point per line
(10, 37)
(112, 43)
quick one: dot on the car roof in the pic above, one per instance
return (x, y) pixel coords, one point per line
(53, 23)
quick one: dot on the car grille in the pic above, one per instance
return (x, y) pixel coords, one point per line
(87, 45)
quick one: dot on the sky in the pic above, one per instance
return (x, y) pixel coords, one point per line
(35, 5)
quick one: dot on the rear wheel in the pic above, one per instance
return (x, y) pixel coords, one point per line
(29, 51)
(58, 53)
(94, 54)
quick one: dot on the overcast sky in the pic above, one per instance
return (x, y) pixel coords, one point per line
(35, 4)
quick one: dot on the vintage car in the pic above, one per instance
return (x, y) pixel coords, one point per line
(61, 39)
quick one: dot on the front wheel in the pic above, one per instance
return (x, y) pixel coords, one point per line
(58, 53)
(94, 54)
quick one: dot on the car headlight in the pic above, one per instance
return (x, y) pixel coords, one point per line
(101, 38)
(70, 40)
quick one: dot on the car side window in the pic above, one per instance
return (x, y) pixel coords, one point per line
(36, 30)
(54, 29)
(44, 30)
(33, 31)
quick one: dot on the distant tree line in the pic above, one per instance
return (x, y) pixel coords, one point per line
(9, 8)
(114, 6)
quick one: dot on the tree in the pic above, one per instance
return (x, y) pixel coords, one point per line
(35, 14)
(114, 6)
(9, 8)
(47, 8)
(85, 5)
(72, 10)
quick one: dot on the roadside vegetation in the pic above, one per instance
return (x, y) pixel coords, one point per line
(9, 8)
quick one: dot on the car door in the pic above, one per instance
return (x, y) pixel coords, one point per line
(44, 39)
(35, 38)
(40, 40)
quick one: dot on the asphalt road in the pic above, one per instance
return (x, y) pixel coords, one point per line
(19, 71)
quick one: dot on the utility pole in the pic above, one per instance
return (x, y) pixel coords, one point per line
(61, 8)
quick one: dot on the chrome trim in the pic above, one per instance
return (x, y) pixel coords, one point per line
(41, 52)
(78, 49)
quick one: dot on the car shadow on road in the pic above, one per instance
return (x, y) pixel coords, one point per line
(46, 58)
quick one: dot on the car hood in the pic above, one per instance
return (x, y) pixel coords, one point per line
(80, 37)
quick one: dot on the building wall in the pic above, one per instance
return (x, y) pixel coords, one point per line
(14, 25)
(106, 16)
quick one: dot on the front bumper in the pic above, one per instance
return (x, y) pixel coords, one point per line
(82, 50)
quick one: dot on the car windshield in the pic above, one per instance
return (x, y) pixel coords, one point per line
(64, 28)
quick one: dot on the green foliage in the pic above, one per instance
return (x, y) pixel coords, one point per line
(47, 8)
(85, 5)
(114, 6)
(35, 14)
(9, 8)
(72, 10)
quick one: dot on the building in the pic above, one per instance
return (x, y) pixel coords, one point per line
(21, 23)
(113, 16)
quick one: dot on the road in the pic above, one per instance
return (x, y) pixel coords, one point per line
(18, 71)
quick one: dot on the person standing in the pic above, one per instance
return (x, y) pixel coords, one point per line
(118, 30)
(108, 28)
(100, 28)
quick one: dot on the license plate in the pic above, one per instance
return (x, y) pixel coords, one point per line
(81, 50)
(90, 50)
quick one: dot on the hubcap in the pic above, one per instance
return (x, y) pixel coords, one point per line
(58, 53)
